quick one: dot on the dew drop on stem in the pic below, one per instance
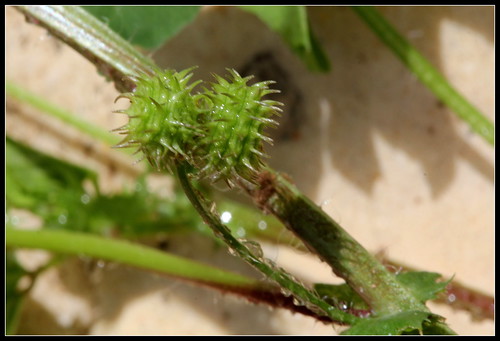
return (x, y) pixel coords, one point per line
(253, 247)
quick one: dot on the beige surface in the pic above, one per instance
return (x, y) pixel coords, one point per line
(371, 145)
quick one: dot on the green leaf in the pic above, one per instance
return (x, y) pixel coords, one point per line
(340, 295)
(397, 324)
(142, 212)
(14, 298)
(48, 187)
(423, 285)
(53, 190)
(41, 183)
(292, 23)
(146, 26)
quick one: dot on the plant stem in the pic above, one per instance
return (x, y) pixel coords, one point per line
(427, 74)
(323, 236)
(77, 244)
(113, 56)
(303, 296)
(125, 252)
(65, 116)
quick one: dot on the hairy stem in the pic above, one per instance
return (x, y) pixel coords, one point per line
(113, 56)
(304, 296)
(323, 236)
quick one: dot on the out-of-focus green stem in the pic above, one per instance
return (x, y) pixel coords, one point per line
(113, 56)
(427, 74)
(77, 243)
(65, 116)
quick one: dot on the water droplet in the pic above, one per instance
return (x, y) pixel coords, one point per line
(325, 203)
(213, 208)
(297, 301)
(14, 220)
(286, 292)
(241, 232)
(85, 199)
(451, 298)
(232, 252)
(62, 219)
(262, 225)
(226, 217)
(254, 248)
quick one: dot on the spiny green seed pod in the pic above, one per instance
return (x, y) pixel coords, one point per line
(238, 118)
(163, 118)
(219, 132)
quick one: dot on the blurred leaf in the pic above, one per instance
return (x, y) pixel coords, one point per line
(142, 212)
(13, 297)
(40, 183)
(146, 26)
(53, 190)
(292, 23)
(397, 324)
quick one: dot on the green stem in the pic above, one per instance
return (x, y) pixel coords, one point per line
(64, 115)
(325, 237)
(113, 56)
(427, 73)
(76, 243)
(303, 295)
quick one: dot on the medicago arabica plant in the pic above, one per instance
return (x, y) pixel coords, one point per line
(218, 133)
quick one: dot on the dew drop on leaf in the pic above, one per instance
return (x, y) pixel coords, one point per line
(62, 219)
(241, 232)
(14, 220)
(85, 199)
(262, 225)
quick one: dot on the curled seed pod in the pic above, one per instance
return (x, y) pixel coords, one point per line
(219, 132)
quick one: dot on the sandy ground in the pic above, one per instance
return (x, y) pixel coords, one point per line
(366, 141)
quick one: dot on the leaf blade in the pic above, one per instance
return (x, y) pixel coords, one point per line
(292, 24)
(146, 26)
